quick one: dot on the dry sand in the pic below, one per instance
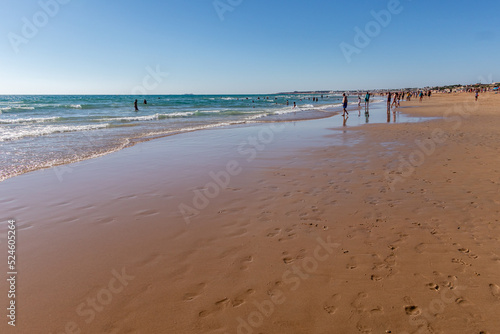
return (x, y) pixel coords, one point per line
(381, 228)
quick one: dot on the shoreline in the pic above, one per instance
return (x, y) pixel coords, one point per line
(127, 142)
(44, 131)
(304, 230)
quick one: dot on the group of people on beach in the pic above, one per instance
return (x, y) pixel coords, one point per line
(345, 103)
(393, 99)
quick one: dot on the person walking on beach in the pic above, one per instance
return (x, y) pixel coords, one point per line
(367, 102)
(477, 95)
(344, 104)
(359, 104)
(394, 100)
(389, 95)
(135, 106)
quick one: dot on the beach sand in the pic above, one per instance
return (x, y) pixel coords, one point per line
(311, 227)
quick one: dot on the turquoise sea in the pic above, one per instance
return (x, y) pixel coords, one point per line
(43, 131)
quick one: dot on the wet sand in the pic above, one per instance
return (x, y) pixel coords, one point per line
(304, 227)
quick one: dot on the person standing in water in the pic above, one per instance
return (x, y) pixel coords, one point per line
(344, 104)
(135, 106)
(145, 102)
(367, 102)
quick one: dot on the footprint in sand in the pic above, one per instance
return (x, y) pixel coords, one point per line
(468, 253)
(462, 302)
(323, 227)
(495, 257)
(245, 262)
(289, 235)
(353, 264)
(218, 306)
(495, 290)
(412, 310)
(226, 302)
(241, 298)
(433, 286)
(222, 303)
(390, 260)
(273, 232)
(197, 291)
(329, 305)
(287, 259)
(359, 301)
(460, 261)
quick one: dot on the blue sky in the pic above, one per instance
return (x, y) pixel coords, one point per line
(111, 47)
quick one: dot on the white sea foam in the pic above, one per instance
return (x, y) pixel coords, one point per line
(329, 106)
(176, 114)
(131, 119)
(16, 108)
(291, 109)
(23, 108)
(28, 120)
(285, 110)
(36, 131)
(254, 117)
(145, 118)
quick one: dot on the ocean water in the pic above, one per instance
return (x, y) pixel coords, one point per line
(43, 131)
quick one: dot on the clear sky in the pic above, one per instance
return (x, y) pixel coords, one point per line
(243, 46)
